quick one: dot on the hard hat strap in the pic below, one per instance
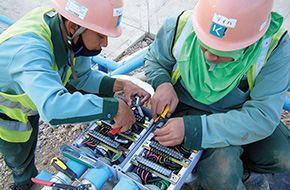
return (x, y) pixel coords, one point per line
(77, 33)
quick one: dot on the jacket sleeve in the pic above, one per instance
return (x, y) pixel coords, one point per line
(258, 116)
(91, 80)
(159, 60)
(31, 68)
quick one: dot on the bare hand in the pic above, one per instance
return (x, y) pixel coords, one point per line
(130, 90)
(165, 94)
(125, 117)
(172, 133)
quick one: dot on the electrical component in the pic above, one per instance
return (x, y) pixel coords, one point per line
(104, 139)
(155, 169)
(167, 151)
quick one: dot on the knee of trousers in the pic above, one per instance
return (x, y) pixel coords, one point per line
(220, 168)
(281, 162)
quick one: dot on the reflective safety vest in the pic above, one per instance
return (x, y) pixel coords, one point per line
(185, 24)
(20, 107)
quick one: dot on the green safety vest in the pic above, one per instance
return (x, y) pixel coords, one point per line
(20, 107)
(185, 24)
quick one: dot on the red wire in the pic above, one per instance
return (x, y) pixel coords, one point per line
(85, 141)
(90, 143)
(177, 149)
(142, 175)
(157, 157)
(145, 181)
(138, 170)
(147, 154)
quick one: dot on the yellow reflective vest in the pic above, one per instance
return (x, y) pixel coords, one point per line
(20, 107)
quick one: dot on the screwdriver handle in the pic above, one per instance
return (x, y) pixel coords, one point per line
(62, 167)
(164, 113)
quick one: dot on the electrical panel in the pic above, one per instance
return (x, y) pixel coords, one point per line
(136, 155)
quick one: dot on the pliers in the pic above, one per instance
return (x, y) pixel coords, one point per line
(60, 186)
(136, 103)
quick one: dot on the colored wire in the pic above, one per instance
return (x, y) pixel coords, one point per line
(160, 160)
(84, 142)
(185, 150)
(176, 149)
(142, 175)
(146, 176)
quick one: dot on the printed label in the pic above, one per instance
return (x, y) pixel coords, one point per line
(224, 21)
(217, 30)
(118, 11)
(76, 9)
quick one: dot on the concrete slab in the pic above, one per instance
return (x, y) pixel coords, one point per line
(283, 8)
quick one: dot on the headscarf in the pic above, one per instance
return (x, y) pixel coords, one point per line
(207, 86)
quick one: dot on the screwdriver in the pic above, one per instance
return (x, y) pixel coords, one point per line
(164, 113)
(62, 167)
(162, 116)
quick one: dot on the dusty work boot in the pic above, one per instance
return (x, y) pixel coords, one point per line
(254, 181)
(20, 187)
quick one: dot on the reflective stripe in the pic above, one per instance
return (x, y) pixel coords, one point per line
(262, 57)
(10, 104)
(181, 38)
(15, 126)
(177, 48)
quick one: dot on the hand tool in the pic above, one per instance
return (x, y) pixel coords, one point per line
(62, 167)
(136, 103)
(72, 154)
(164, 113)
(160, 117)
(60, 186)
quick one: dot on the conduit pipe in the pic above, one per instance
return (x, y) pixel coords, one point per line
(122, 67)
(5, 20)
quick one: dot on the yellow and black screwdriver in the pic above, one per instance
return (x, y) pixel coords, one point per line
(158, 120)
(62, 167)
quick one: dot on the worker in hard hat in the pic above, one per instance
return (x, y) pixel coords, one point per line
(224, 70)
(44, 52)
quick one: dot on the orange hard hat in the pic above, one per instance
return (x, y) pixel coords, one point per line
(229, 25)
(102, 16)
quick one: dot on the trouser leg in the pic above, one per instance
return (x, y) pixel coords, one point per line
(221, 168)
(270, 155)
(19, 157)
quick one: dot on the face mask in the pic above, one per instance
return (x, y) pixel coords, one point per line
(79, 49)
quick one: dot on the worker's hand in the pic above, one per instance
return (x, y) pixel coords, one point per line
(165, 94)
(172, 133)
(125, 117)
(130, 90)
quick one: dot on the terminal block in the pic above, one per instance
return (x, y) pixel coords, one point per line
(101, 142)
(135, 154)
(164, 167)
